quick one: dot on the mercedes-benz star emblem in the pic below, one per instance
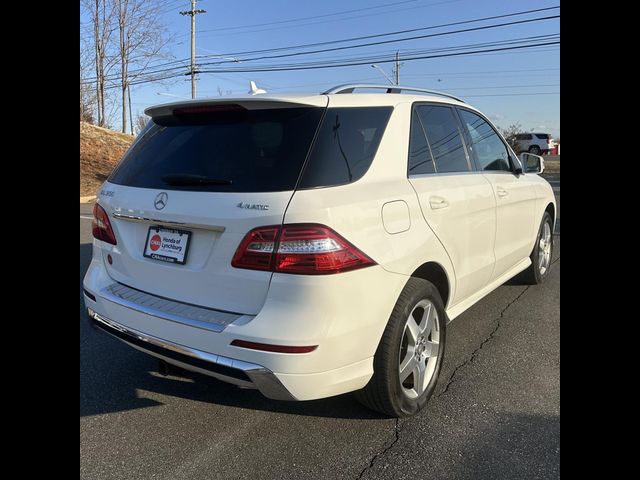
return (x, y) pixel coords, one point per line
(161, 201)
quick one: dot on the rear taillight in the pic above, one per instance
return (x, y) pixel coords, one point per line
(306, 249)
(316, 249)
(256, 249)
(101, 227)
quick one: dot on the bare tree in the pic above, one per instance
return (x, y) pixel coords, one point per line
(510, 134)
(101, 13)
(87, 96)
(141, 122)
(142, 37)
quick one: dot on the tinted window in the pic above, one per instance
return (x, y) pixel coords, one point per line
(444, 138)
(523, 136)
(542, 136)
(256, 150)
(345, 146)
(420, 160)
(490, 152)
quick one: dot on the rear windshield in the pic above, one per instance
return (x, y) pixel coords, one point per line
(233, 151)
(542, 136)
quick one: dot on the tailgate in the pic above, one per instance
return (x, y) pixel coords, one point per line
(189, 189)
(216, 224)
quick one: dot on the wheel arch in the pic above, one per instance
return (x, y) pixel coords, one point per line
(435, 273)
(551, 209)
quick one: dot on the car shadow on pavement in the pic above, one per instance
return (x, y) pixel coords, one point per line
(133, 371)
(112, 373)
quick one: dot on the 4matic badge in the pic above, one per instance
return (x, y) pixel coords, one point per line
(253, 206)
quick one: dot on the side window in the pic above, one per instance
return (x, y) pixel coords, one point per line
(491, 154)
(444, 138)
(420, 160)
(345, 146)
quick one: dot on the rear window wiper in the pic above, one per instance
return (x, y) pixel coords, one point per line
(186, 179)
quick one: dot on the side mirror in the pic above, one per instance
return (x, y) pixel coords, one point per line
(532, 163)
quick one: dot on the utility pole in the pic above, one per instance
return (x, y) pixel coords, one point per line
(193, 12)
(130, 114)
(397, 71)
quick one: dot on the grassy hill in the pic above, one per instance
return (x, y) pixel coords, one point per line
(100, 150)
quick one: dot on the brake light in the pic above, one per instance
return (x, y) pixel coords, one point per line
(225, 108)
(101, 227)
(305, 249)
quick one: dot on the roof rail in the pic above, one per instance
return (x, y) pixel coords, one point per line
(350, 87)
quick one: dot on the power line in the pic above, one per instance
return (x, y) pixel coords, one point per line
(288, 68)
(312, 66)
(296, 47)
(170, 5)
(378, 35)
(308, 65)
(396, 40)
(344, 12)
(212, 32)
(378, 55)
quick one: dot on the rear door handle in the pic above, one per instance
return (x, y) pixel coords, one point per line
(438, 202)
(502, 192)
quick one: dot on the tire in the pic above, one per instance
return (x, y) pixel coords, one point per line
(385, 393)
(538, 271)
(534, 149)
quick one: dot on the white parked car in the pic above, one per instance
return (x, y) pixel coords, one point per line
(536, 143)
(313, 245)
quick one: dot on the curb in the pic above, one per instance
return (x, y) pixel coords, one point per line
(87, 199)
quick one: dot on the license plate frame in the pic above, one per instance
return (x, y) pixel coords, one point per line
(164, 255)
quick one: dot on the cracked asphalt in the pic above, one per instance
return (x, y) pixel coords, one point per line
(495, 413)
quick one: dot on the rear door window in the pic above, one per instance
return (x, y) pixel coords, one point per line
(444, 137)
(542, 136)
(420, 159)
(247, 150)
(345, 146)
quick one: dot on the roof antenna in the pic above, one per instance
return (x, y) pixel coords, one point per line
(254, 90)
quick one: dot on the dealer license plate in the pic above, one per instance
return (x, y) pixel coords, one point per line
(167, 244)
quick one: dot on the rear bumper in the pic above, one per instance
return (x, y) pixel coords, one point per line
(344, 315)
(243, 374)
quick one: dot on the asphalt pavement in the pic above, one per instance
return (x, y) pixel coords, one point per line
(495, 413)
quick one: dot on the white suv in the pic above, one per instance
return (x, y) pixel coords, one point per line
(536, 143)
(309, 246)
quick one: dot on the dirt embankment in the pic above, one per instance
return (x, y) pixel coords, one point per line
(100, 150)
